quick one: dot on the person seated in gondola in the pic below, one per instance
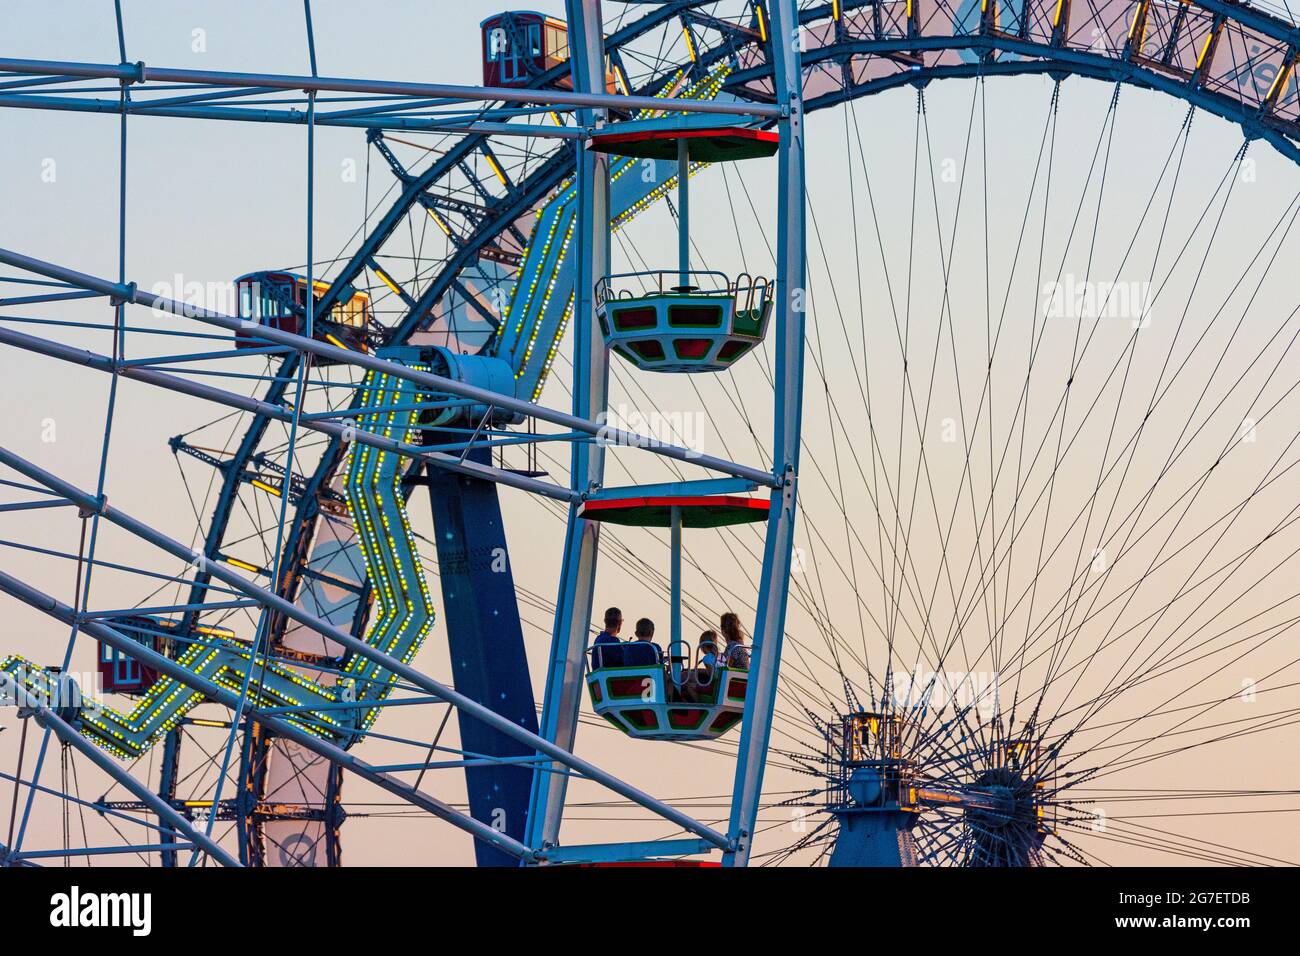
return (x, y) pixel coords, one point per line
(643, 652)
(609, 649)
(699, 680)
(737, 653)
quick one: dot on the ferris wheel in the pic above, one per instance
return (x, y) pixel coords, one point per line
(949, 440)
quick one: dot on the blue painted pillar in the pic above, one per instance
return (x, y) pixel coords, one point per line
(486, 642)
(876, 822)
(875, 837)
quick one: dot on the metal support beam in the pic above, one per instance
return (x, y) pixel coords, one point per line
(275, 412)
(291, 117)
(168, 775)
(683, 212)
(769, 627)
(573, 603)
(675, 579)
(619, 852)
(140, 73)
(486, 642)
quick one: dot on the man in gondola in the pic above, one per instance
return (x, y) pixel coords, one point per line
(643, 652)
(608, 650)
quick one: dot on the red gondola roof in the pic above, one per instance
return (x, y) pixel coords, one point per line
(702, 511)
(703, 145)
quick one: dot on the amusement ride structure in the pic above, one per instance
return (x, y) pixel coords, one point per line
(1111, 540)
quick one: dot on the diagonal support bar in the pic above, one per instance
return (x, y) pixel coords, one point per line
(165, 665)
(267, 599)
(175, 383)
(433, 383)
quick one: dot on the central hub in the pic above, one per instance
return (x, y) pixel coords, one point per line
(1011, 800)
(1005, 818)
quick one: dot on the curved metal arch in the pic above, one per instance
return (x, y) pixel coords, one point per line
(1054, 58)
(1057, 62)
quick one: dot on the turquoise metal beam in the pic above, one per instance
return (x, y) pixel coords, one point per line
(140, 73)
(683, 212)
(620, 852)
(268, 410)
(562, 698)
(251, 114)
(674, 489)
(100, 851)
(791, 302)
